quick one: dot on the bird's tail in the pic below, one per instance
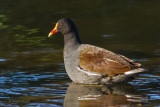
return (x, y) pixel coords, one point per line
(135, 71)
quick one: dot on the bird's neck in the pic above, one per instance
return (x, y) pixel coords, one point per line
(71, 40)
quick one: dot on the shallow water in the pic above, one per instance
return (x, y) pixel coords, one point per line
(32, 70)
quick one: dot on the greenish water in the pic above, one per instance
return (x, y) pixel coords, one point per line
(32, 71)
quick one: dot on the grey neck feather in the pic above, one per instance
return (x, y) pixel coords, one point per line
(71, 40)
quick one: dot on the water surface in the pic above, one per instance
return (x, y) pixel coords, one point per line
(32, 69)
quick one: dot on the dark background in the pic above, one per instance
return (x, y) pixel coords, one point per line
(31, 64)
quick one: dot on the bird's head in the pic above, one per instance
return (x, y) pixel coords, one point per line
(64, 26)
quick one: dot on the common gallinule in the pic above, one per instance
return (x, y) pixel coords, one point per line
(89, 64)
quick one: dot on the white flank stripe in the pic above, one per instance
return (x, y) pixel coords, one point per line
(87, 72)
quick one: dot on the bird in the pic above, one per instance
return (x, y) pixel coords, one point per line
(89, 64)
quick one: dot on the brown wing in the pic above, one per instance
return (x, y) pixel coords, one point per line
(99, 60)
(135, 65)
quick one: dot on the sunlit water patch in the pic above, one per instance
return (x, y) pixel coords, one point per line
(106, 35)
(149, 85)
(3, 60)
(25, 87)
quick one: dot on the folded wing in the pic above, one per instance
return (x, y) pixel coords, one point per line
(99, 60)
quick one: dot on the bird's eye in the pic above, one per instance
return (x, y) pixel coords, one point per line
(61, 25)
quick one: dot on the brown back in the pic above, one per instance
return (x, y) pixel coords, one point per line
(99, 60)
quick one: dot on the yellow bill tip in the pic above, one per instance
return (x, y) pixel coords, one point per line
(50, 34)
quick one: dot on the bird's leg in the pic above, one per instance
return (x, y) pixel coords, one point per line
(106, 79)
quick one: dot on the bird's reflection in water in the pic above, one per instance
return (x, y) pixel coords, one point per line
(80, 95)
